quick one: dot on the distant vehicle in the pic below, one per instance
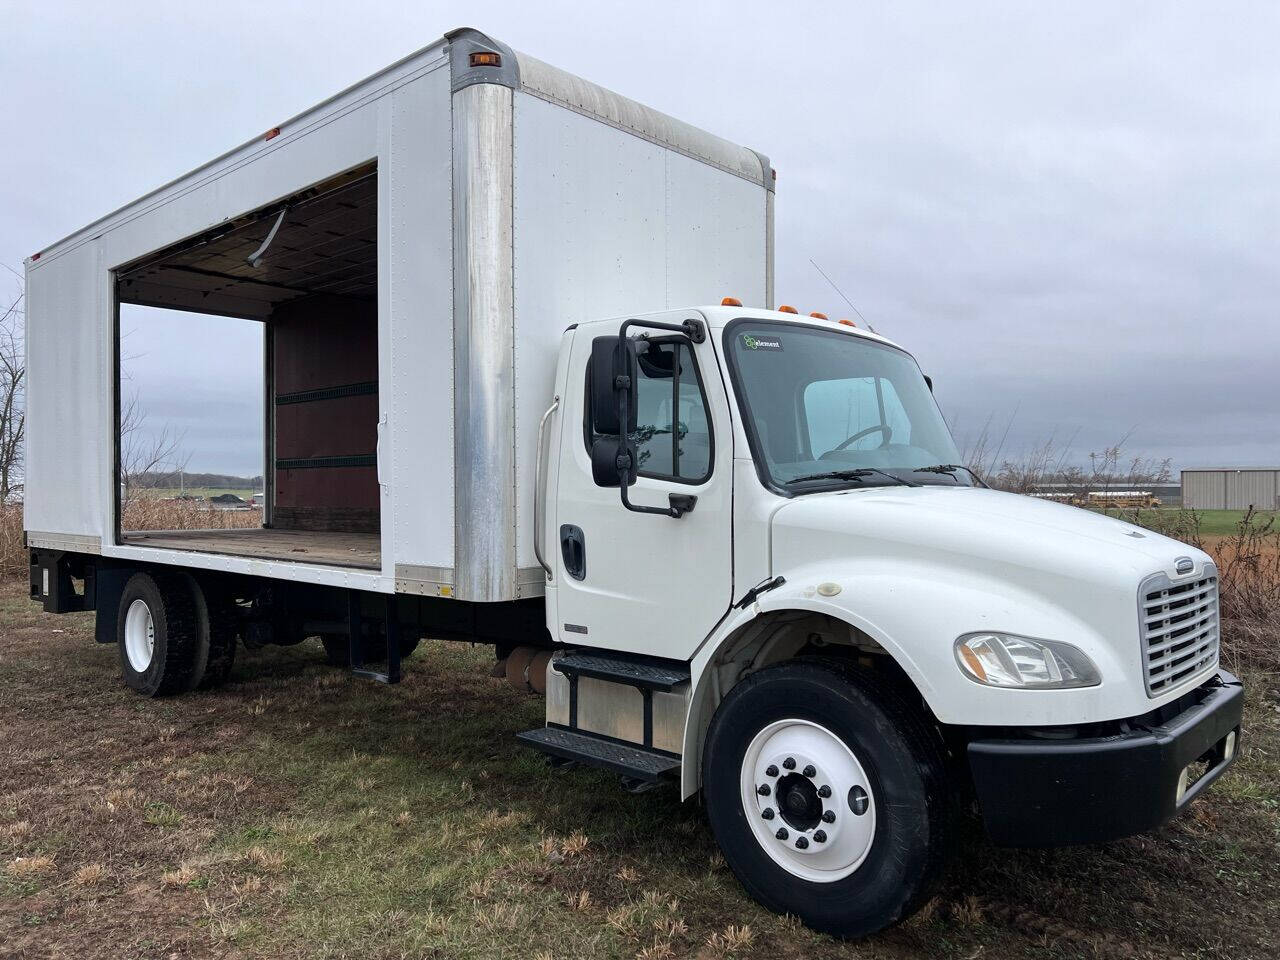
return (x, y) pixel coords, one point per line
(732, 544)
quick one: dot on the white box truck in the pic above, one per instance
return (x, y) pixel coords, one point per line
(731, 543)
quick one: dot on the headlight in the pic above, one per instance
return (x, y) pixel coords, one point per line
(1004, 660)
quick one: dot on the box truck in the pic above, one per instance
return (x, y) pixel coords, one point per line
(732, 544)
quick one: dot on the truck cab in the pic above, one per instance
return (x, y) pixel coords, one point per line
(856, 633)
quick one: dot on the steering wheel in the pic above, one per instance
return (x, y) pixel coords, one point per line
(879, 427)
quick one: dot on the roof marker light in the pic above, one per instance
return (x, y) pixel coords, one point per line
(272, 133)
(786, 309)
(820, 316)
(730, 302)
(486, 58)
(847, 323)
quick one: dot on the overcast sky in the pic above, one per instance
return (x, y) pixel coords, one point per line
(1070, 213)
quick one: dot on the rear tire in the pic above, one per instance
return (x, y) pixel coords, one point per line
(157, 634)
(861, 854)
(217, 628)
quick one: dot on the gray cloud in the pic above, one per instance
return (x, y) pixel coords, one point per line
(1071, 212)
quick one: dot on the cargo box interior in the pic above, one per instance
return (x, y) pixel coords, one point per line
(306, 267)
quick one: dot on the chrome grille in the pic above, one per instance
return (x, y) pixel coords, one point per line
(1179, 628)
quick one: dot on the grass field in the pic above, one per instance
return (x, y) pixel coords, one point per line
(208, 493)
(1213, 523)
(300, 813)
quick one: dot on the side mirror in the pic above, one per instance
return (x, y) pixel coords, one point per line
(613, 381)
(608, 459)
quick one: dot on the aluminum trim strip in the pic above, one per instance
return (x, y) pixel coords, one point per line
(69, 542)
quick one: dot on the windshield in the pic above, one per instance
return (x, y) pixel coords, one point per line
(833, 409)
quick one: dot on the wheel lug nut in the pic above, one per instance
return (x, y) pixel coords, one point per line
(782, 833)
(763, 790)
(789, 763)
(771, 771)
(802, 843)
(819, 836)
(828, 816)
(809, 771)
(824, 791)
(767, 813)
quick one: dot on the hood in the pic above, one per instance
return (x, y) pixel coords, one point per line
(970, 523)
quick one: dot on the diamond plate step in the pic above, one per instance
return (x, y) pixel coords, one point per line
(629, 761)
(663, 675)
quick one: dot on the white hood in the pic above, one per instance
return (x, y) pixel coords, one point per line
(918, 567)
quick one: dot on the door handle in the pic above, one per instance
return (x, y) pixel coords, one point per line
(573, 548)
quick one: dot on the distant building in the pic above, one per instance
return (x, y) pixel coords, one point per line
(1230, 488)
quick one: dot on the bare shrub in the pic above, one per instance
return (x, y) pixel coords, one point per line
(13, 556)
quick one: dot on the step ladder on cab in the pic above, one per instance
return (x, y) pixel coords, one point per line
(621, 712)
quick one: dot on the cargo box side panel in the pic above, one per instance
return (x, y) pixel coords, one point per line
(70, 420)
(609, 223)
(416, 358)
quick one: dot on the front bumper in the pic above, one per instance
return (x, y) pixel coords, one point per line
(1037, 792)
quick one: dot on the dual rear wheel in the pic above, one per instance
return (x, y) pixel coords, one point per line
(174, 634)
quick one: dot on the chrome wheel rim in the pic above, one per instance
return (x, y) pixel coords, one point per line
(139, 636)
(808, 800)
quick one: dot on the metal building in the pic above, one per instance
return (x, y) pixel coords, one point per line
(1227, 488)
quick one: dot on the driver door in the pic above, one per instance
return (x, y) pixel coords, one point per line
(639, 582)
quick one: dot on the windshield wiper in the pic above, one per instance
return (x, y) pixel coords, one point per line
(851, 475)
(950, 470)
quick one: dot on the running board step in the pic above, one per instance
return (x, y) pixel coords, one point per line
(642, 672)
(634, 762)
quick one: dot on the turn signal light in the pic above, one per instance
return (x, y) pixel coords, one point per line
(486, 59)
(848, 323)
(785, 309)
(730, 302)
(820, 316)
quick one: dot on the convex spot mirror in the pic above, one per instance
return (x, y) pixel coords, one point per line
(606, 452)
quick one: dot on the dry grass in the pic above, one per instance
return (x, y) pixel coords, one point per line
(1249, 581)
(139, 514)
(146, 513)
(197, 826)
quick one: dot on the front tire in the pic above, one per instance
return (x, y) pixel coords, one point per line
(827, 794)
(157, 634)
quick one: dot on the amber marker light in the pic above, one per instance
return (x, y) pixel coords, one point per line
(486, 59)
(785, 309)
(730, 302)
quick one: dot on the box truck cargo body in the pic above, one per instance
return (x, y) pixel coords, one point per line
(439, 226)
(732, 545)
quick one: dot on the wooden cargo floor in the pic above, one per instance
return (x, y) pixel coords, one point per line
(299, 546)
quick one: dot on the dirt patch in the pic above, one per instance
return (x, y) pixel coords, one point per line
(300, 813)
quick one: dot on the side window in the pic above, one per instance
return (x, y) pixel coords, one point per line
(673, 432)
(836, 410)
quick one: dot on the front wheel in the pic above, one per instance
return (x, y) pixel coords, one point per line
(826, 792)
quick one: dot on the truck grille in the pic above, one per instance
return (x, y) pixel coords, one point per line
(1179, 627)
